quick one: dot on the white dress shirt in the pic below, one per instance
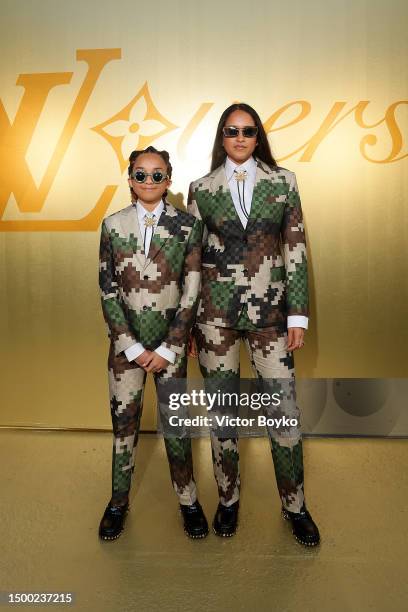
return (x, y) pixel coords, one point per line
(137, 349)
(246, 187)
(246, 190)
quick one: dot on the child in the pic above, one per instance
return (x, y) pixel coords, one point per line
(150, 259)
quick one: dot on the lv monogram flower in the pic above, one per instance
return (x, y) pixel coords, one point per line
(136, 126)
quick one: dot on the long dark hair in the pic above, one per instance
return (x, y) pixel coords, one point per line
(263, 149)
(163, 154)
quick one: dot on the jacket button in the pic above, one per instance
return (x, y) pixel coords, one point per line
(145, 277)
(246, 239)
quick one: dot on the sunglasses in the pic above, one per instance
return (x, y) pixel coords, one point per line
(249, 131)
(140, 176)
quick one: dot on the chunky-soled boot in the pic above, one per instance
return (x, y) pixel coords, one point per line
(195, 523)
(226, 520)
(304, 528)
(111, 525)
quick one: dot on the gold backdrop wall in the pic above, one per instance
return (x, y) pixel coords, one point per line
(83, 83)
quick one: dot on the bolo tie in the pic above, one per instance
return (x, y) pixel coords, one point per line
(240, 178)
(148, 223)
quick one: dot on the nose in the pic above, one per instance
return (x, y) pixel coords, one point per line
(149, 179)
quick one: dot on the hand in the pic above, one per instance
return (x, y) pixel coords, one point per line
(192, 347)
(295, 338)
(143, 359)
(156, 363)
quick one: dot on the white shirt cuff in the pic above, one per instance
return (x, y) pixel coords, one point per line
(166, 353)
(298, 321)
(134, 351)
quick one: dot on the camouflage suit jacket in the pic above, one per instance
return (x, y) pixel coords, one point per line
(150, 299)
(263, 265)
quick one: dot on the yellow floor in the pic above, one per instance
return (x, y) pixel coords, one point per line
(55, 486)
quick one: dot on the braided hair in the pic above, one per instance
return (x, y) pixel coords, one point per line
(163, 154)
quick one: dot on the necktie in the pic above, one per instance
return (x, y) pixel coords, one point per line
(240, 177)
(149, 223)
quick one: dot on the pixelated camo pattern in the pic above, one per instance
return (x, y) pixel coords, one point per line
(219, 357)
(263, 265)
(150, 298)
(126, 384)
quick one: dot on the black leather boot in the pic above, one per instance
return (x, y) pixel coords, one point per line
(303, 527)
(226, 520)
(111, 525)
(195, 523)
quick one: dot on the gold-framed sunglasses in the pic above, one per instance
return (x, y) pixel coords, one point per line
(231, 131)
(140, 176)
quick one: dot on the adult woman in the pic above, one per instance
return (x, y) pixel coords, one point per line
(254, 286)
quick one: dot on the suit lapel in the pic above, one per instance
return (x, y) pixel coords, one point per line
(161, 232)
(259, 197)
(130, 228)
(220, 189)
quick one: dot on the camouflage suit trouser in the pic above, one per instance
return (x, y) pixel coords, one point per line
(218, 352)
(126, 384)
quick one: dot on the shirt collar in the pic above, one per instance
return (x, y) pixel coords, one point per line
(141, 211)
(249, 166)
